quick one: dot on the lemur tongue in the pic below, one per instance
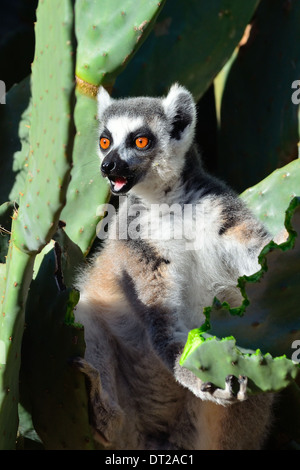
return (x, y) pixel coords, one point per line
(119, 183)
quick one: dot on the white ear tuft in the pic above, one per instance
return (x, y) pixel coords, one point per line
(104, 100)
(170, 100)
(180, 109)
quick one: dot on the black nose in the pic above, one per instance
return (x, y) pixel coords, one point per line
(107, 167)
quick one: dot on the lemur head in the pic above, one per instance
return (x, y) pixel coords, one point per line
(143, 141)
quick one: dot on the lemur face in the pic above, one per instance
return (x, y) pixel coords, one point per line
(144, 138)
(128, 146)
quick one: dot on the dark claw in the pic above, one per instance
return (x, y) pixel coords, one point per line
(207, 387)
(229, 379)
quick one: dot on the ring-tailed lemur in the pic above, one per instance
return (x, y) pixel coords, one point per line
(144, 293)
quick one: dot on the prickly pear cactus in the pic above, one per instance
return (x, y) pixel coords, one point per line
(49, 165)
(88, 188)
(52, 129)
(270, 198)
(51, 389)
(109, 33)
(212, 359)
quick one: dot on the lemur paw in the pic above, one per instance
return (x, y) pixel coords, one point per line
(227, 395)
(235, 390)
(87, 369)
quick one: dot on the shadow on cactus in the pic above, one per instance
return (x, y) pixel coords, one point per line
(51, 390)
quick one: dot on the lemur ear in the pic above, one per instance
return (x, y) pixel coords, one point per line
(104, 100)
(180, 109)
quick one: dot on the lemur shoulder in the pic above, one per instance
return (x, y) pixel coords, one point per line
(142, 294)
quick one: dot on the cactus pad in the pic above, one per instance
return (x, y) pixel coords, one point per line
(108, 33)
(219, 358)
(51, 128)
(87, 189)
(51, 389)
(270, 197)
(48, 173)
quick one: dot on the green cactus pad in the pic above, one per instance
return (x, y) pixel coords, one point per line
(268, 321)
(189, 44)
(48, 173)
(87, 189)
(16, 275)
(269, 198)
(212, 360)
(51, 128)
(108, 33)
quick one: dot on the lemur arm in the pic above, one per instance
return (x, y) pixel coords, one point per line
(168, 338)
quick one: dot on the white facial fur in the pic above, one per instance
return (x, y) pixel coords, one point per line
(120, 127)
(174, 134)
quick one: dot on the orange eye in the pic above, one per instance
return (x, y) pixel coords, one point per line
(104, 143)
(141, 142)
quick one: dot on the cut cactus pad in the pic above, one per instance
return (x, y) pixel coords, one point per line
(210, 358)
(269, 198)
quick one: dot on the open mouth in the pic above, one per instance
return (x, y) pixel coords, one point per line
(120, 184)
